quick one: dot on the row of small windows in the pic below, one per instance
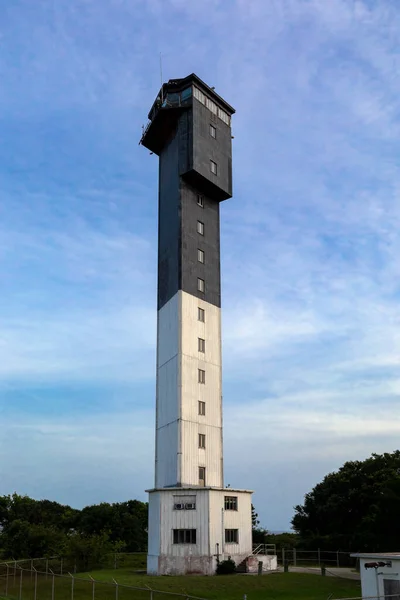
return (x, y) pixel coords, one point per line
(211, 106)
(188, 536)
(185, 506)
(201, 342)
(230, 503)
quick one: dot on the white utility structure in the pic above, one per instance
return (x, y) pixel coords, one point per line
(380, 575)
(193, 520)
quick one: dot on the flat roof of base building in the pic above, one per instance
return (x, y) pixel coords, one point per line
(387, 555)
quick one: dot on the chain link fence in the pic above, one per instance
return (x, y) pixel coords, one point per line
(20, 583)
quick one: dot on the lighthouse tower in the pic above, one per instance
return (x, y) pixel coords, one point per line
(193, 520)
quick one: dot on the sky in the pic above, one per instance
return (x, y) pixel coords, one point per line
(310, 241)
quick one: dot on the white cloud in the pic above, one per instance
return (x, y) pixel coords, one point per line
(310, 241)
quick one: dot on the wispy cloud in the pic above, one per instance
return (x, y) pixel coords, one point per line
(310, 240)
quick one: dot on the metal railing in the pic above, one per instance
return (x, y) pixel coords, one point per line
(264, 548)
(333, 558)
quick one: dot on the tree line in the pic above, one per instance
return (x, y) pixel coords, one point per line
(352, 509)
(38, 528)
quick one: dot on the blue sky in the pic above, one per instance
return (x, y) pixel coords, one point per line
(310, 241)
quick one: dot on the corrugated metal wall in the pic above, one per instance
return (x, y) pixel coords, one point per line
(209, 519)
(178, 455)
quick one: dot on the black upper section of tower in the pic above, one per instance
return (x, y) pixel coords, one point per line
(189, 128)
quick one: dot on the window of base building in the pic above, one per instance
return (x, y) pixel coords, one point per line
(184, 536)
(231, 536)
(231, 503)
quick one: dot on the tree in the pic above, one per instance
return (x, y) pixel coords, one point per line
(355, 508)
(22, 539)
(34, 528)
(254, 518)
(259, 533)
(123, 522)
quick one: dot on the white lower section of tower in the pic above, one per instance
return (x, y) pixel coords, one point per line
(193, 520)
(179, 418)
(173, 547)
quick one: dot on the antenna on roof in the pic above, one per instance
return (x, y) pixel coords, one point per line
(161, 77)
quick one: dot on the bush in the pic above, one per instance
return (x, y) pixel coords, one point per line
(226, 567)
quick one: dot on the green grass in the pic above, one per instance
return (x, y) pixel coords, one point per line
(275, 586)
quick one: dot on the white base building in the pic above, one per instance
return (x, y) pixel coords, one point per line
(191, 528)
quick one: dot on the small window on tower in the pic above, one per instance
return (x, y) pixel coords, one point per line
(201, 345)
(202, 440)
(202, 408)
(201, 315)
(214, 167)
(200, 255)
(200, 200)
(202, 476)
(200, 227)
(202, 376)
(213, 131)
(200, 284)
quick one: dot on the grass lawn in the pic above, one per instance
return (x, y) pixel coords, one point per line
(280, 586)
(275, 586)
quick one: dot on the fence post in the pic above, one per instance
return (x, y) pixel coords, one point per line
(116, 589)
(15, 570)
(93, 587)
(337, 559)
(52, 588)
(283, 556)
(47, 567)
(319, 557)
(61, 565)
(323, 570)
(20, 585)
(295, 557)
(115, 561)
(72, 587)
(7, 578)
(35, 591)
(31, 568)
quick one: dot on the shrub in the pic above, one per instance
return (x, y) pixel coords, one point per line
(226, 567)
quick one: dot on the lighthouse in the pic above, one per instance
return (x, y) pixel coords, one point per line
(194, 521)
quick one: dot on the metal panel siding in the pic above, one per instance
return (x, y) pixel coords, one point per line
(168, 223)
(167, 455)
(184, 519)
(218, 149)
(193, 456)
(154, 524)
(168, 330)
(168, 392)
(178, 393)
(230, 519)
(192, 329)
(209, 271)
